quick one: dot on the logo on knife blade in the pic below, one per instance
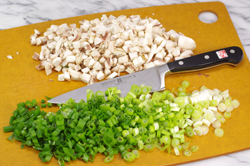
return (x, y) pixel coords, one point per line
(108, 83)
(119, 80)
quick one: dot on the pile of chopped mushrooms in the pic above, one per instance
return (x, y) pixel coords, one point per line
(104, 48)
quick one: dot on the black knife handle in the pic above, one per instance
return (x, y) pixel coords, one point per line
(230, 55)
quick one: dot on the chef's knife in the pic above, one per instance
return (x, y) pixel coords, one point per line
(155, 76)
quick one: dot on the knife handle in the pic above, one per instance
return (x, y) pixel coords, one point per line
(230, 55)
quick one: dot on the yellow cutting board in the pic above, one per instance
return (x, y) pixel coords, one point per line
(20, 81)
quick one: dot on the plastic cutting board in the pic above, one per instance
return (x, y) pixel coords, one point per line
(20, 81)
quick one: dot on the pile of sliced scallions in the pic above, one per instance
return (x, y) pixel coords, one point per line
(125, 125)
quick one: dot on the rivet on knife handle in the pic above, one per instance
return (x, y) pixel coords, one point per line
(229, 55)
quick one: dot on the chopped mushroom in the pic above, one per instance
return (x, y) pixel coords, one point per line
(112, 75)
(100, 75)
(186, 54)
(36, 56)
(186, 43)
(61, 77)
(149, 65)
(48, 68)
(67, 76)
(106, 47)
(85, 77)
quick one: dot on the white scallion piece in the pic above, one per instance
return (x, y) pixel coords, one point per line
(198, 131)
(222, 107)
(176, 135)
(208, 116)
(176, 129)
(148, 96)
(219, 132)
(174, 109)
(156, 125)
(204, 129)
(216, 124)
(172, 131)
(212, 108)
(176, 151)
(142, 97)
(159, 110)
(213, 119)
(216, 91)
(184, 126)
(198, 123)
(206, 122)
(229, 109)
(173, 105)
(235, 103)
(227, 114)
(195, 92)
(9, 57)
(220, 117)
(189, 122)
(135, 131)
(225, 94)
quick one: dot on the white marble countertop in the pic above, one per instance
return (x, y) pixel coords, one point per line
(14, 13)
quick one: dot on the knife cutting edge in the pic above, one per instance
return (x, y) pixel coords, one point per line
(156, 76)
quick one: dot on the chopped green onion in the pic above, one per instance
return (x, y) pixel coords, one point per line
(216, 124)
(176, 150)
(182, 94)
(175, 142)
(181, 89)
(228, 102)
(165, 140)
(222, 107)
(196, 114)
(180, 148)
(48, 98)
(129, 157)
(194, 148)
(11, 138)
(190, 132)
(108, 159)
(136, 152)
(230, 108)
(148, 147)
(227, 114)
(145, 90)
(235, 103)
(185, 145)
(49, 104)
(144, 122)
(185, 84)
(170, 96)
(208, 116)
(120, 139)
(213, 103)
(203, 87)
(187, 152)
(220, 117)
(219, 132)
(8, 128)
(139, 121)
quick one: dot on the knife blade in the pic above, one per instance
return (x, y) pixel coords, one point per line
(155, 76)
